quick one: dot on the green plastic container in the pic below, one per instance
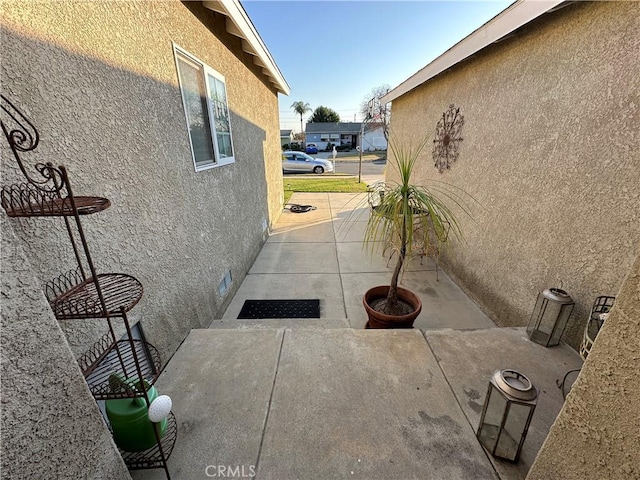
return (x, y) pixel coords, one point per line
(132, 429)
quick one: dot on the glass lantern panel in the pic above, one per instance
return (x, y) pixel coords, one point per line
(551, 314)
(513, 431)
(536, 326)
(560, 324)
(539, 337)
(542, 325)
(490, 427)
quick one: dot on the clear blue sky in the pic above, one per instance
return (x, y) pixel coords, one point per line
(334, 53)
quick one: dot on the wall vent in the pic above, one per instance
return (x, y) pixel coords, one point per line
(224, 284)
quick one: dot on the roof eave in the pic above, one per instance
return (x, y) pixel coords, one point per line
(510, 19)
(240, 25)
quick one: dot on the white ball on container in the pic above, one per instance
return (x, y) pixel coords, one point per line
(160, 408)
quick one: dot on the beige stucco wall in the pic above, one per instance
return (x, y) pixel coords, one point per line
(550, 153)
(51, 426)
(596, 434)
(98, 79)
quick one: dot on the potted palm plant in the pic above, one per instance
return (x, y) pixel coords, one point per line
(405, 217)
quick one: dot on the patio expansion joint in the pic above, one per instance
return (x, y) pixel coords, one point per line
(335, 244)
(424, 334)
(273, 387)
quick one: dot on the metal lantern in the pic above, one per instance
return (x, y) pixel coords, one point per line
(550, 316)
(508, 408)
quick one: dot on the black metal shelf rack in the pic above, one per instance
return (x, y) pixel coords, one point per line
(82, 293)
(153, 457)
(72, 296)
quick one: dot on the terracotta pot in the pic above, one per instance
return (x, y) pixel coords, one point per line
(381, 320)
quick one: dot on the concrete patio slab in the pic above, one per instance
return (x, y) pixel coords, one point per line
(347, 402)
(317, 199)
(296, 258)
(351, 213)
(339, 201)
(316, 232)
(356, 211)
(312, 216)
(350, 232)
(444, 304)
(468, 359)
(352, 258)
(326, 287)
(220, 383)
(369, 405)
(281, 323)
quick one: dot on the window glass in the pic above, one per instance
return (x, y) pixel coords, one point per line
(218, 95)
(204, 96)
(195, 104)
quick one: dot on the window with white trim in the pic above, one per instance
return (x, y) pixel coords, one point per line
(330, 137)
(204, 96)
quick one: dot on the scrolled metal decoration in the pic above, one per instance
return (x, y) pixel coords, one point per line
(446, 146)
(23, 136)
(62, 284)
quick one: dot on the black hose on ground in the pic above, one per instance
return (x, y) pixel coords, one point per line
(295, 208)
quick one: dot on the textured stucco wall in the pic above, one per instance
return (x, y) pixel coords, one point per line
(550, 152)
(51, 426)
(98, 79)
(597, 432)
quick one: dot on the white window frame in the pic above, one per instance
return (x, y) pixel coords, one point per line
(218, 160)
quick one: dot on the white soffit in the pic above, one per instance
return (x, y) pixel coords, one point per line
(239, 24)
(510, 19)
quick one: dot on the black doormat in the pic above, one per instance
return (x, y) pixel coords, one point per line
(253, 309)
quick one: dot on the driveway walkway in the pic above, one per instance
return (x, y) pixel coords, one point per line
(319, 254)
(324, 398)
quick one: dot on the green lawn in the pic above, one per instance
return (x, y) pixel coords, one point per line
(321, 185)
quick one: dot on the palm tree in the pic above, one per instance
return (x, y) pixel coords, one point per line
(301, 108)
(404, 206)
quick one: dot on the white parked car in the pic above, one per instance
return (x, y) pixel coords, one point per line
(301, 162)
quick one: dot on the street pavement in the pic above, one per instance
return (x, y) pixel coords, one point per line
(349, 165)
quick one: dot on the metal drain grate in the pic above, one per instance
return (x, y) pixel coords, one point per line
(253, 309)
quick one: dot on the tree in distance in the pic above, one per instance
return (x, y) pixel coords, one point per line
(301, 108)
(324, 115)
(374, 111)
